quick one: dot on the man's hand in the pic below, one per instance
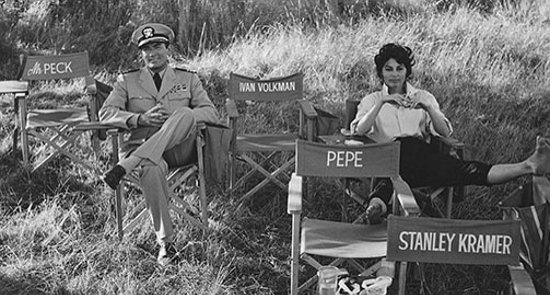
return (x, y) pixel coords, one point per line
(154, 117)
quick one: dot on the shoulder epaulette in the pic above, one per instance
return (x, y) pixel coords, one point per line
(185, 70)
(130, 71)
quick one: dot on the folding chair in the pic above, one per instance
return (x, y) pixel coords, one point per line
(265, 147)
(530, 204)
(344, 241)
(19, 89)
(56, 130)
(442, 144)
(473, 242)
(178, 180)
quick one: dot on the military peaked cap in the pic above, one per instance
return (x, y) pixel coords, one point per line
(152, 32)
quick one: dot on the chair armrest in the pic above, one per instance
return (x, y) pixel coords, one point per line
(231, 108)
(447, 145)
(307, 109)
(521, 281)
(295, 195)
(95, 126)
(91, 88)
(14, 86)
(201, 126)
(404, 197)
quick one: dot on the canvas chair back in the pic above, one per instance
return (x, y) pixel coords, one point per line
(50, 67)
(321, 160)
(278, 89)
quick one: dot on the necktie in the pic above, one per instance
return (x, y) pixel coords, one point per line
(158, 80)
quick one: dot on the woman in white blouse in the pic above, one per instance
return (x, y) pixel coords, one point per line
(402, 112)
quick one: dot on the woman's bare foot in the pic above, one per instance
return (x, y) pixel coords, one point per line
(539, 161)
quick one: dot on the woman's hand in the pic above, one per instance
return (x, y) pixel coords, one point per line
(154, 117)
(395, 98)
(418, 101)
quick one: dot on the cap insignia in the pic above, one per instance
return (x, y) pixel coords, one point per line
(148, 32)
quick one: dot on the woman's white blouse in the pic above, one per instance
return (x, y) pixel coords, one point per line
(394, 121)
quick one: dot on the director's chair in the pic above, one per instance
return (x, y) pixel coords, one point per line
(187, 186)
(344, 241)
(258, 150)
(56, 130)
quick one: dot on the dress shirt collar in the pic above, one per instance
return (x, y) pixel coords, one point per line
(161, 73)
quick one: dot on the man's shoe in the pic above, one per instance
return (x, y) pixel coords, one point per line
(167, 254)
(375, 210)
(112, 177)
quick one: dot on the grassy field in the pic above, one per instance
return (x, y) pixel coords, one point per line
(488, 71)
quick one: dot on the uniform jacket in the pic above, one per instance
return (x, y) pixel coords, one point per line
(135, 93)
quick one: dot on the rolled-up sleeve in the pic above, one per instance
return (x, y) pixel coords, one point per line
(362, 109)
(435, 104)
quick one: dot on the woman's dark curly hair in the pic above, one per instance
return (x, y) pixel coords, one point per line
(401, 54)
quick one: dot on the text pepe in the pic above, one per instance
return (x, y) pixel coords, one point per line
(345, 159)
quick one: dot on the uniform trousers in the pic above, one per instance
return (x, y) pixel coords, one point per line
(172, 145)
(421, 165)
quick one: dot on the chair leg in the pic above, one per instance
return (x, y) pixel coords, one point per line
(295, 254)
(202, 182)
(232, 171)
(25, 146)
(449, 205)
(402, 277)
(118, 208)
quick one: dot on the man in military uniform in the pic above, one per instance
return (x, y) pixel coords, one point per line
(160, 105)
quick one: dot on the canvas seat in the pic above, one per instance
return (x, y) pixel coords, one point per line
(313, 238)
(57, 131)
(269, 154)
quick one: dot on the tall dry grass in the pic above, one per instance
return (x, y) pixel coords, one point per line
(488, 70)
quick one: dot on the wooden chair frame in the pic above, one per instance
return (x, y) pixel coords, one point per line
(19, 90)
